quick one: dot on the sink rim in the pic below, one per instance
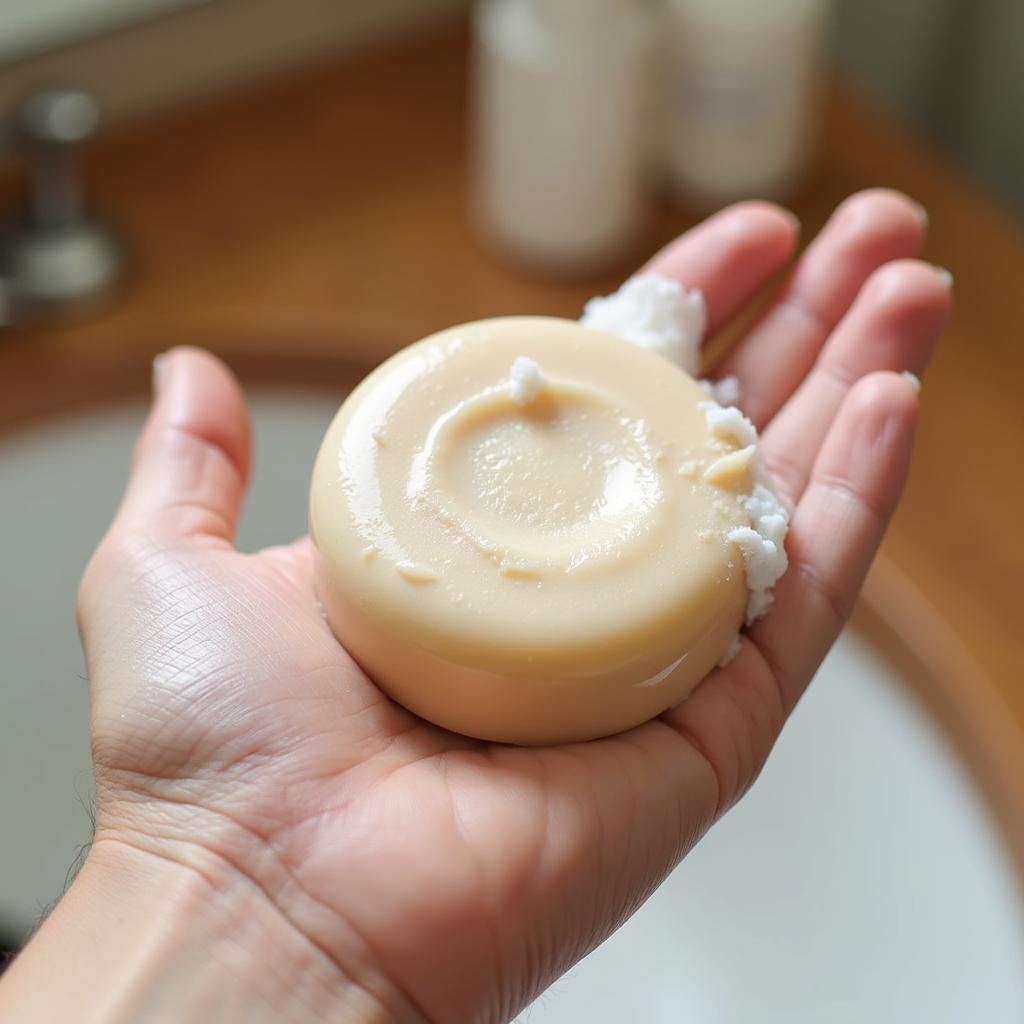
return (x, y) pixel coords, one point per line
(893, 614)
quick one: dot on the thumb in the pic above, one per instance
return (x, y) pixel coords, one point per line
(191, 462)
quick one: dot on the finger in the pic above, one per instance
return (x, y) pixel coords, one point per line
(191, 462)
(730, 256)
(893, 325)
(837, 527)
(867, 230)
(732, 720)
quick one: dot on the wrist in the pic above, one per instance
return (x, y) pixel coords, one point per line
(142, 938)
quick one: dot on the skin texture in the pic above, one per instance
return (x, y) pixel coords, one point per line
(447, 879)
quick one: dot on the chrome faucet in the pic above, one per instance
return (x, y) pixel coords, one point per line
(55, 256)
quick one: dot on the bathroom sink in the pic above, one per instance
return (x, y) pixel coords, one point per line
(861, 879)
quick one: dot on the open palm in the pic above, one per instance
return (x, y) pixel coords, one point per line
(454, 880)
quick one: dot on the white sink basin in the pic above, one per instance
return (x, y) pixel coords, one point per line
(861, 880)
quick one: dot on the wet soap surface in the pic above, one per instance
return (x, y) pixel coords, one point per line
(548, 538)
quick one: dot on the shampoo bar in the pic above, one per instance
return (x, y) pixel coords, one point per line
(522, 531)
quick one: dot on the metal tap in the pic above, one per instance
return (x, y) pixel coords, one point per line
(55, 255)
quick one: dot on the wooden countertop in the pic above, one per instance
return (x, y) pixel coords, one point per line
(325, 216)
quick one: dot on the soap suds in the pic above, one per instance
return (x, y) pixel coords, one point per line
(763, 546)
(725, 391)
(526, 380)
(729, 422)
(763, 543)
(654, 312)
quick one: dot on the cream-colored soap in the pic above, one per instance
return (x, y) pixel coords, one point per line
(549, 560)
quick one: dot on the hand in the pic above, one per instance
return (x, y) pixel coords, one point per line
(242, 758)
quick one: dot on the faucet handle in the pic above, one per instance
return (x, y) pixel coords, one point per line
(58, 115)
(57, 254)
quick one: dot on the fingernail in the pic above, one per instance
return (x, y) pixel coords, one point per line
(912, 379)
(921, 213)
(944, 276)
(793, 219)
(159, 364)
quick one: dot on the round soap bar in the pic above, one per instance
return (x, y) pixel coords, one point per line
(521, 531)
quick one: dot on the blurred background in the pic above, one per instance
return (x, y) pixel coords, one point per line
(305, 186)
(948, 69)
